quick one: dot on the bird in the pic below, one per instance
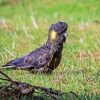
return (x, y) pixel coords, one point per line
(46, 58)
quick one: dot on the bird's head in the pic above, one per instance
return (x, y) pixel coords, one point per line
(58, 32)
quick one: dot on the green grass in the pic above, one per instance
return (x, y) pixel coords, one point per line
(79, 70)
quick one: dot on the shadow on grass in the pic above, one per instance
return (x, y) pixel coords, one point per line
(15, 90)
(65, 96)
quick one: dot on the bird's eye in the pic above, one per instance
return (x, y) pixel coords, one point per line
(53, 35)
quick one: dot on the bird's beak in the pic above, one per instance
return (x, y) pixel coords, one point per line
(65, 34)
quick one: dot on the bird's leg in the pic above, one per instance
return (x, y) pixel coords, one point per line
(44, 70)
(40, 70)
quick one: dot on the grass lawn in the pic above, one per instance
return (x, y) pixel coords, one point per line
(79, 70)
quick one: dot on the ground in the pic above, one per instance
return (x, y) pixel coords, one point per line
(79, 70)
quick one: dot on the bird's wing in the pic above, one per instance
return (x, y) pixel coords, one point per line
(33, 60)
(22, 62)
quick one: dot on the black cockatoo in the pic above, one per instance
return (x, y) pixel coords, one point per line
(46, 58)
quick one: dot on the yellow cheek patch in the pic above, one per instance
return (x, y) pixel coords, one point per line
(53, 35)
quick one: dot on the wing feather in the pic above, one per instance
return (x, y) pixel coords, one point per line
(33, 60)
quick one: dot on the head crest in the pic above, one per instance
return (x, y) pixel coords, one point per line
(59, 27)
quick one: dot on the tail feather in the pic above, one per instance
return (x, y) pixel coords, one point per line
(7, 66)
